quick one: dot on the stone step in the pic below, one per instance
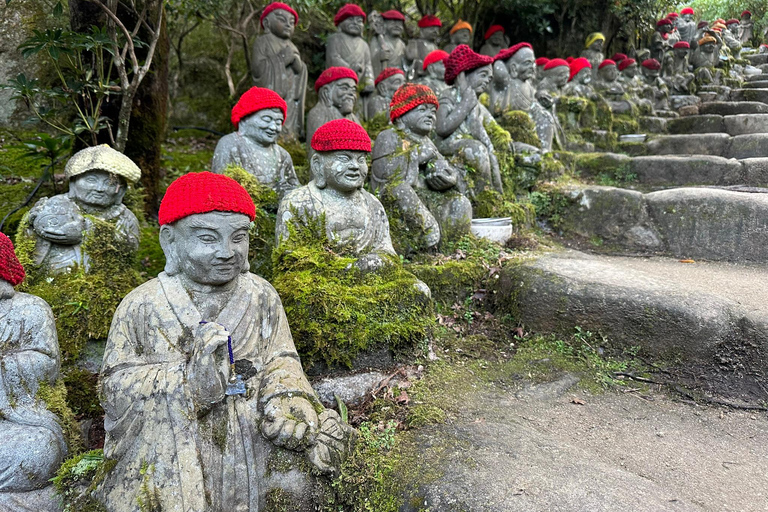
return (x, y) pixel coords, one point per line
(742, 124)
(757, 84)
(758, 59)
(700, 223)
(739, 124)
(760, 95)
(750, 145)
(669, 170)
(762, 77)
(727, 108)
(701, 313)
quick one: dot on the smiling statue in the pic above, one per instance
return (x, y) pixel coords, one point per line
(336, 97)
(201, 383)
(98, 179)
(258, 117)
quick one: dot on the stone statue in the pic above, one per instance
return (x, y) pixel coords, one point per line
(461, 118)
(701, 30)
(32, 444)
(705, 58)
(676, 72)
(674, 35)
(387, 83)
(540, 63)
(258, 118)
(746, 26)
(460, 33)
(410, 174)
(655, 90)
(355, 222)
(731, 36)
(98, 179)
(579, 82)
(555, 76)
(387, 46)
(201, 384)
(513, 88)
(660, 39)
(426, 43)
(593, 51)
(495, 41)
(686, 27)
(277, 65)
(434, 66)
(336, 97)
(347, 48)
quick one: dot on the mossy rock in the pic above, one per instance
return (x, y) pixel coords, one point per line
(377, 124)
(520, 127)
(77, 479)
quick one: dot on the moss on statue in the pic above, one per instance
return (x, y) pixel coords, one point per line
(55, 400)
(83, 393)
(77, 479)
(377, 124)
(335, 311)
(520, 127)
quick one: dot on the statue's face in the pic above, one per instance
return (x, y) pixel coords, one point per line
(584, 76)
(98, 189)
(597, 46)
(437, 70)
(462, 36)
(650, 74)
(680, 53)
(497, 38)
(430, 33)
(687, 18)
(559, 75)
(734, 28)
(280, 23)
(630, 71)
(708, 48)
(210, 248)
(523, 64)
(394, 28)
(609, 73)
(344, 171)
(352, 25)
(421, 119)
(263, 127)
(480, 78)
(388, 86)
(343, 95)
(665, 29)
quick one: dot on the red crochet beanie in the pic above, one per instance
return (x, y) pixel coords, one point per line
(393, 15)
(702, 24)
(492, 30)
(578, 65)
(434, 56)
(746, 13)
(682, 44)
(341, 135)
(408, 97)
(687, 10)
(332, 74)
(673, 15)
(663, 22)
(569, 60)
(618, 57)
(555, 63)
(386, 73)
(509, 52)
(255, 99)
(624, 64)
(732, 21)
(651, 64)
(348, 11)
(430, 21)
(10, 268)
(606, 62)
(203, 192)
(462, 58)
(542, 61)
(275, 6)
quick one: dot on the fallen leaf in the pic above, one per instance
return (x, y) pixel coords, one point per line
(578, 401)
(403, 399)
(687, 261)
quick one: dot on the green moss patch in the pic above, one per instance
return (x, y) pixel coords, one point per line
(520, 127)
(56, 400)
(77, 479)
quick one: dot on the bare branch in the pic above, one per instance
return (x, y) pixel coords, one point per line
(112, 16)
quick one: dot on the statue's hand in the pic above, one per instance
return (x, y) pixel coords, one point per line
(332, 443)
(441, 178)
(468, 95)
(208, 365)
(290, 421)
(70, 233)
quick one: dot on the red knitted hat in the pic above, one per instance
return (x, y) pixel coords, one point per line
(569, 60)
(434, 56)
(430, 21)
(682, 44)
(663, 22)
(462, 58)
(606, 62)
(348, 11)
(492, 30)
(618, 57)
(275, 6)
(332, 74)
(542, 61)
(673, 15)
(746, 13)
(255, 99)
(203, 192)
(702, 24)
(577, 65)
(340, 135)
(555, 63)
(509, 52)
(386, 73)
(393, 15)
(652, 64)
(732, 21)
(624, 64)
(687, 10)
(408, 97)
(10, 268)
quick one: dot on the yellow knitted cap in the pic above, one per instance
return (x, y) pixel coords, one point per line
(707, 39)
(594, 36)
(102, 158)
(461, 25)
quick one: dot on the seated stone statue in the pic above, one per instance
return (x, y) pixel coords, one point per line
(423, 45)
(387, 83)
(628, 69)
(593, 51)
(611, 89)
(731, 36)
(746, 26)
(701, 30)
(434, 66)
(98, 179)
(555, 76)
(580, 79)
(258, 117)
(355, 221)
(676, 72)
(674, 35)
(387, 45)
(660, 40)
(686, 27)
(495, 41)
(540, 63)
(276, 64)
(336, 97)
(32, 445)
(201, 384)
(654, 88)
(412, 178)
(460, 33)
(347, 48)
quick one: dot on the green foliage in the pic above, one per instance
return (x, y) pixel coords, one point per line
(726, 9)
(377, 124)
(335, 311)
(550, 204)
(83, 393)
(520, 127)
(78, 477)
(55, 400)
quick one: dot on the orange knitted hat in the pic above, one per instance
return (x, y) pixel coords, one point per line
(461, 25)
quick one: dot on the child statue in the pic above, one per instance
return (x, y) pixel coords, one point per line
(660, 39)
(655, 90)
(580, 79)
(434, 65)
(347, 48)
(337, 94)
(419, 48)
(556, 74)
(746, 26)
(676, 71)
(460, 33)
(686, 27)
(495, 41)
(593, 51)
(388, 81)
(387, 46)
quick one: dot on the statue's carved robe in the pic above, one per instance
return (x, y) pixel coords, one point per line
(376, 45)
(350, 52)
(192, 458)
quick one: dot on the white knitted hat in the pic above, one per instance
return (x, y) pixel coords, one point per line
(102, 158)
